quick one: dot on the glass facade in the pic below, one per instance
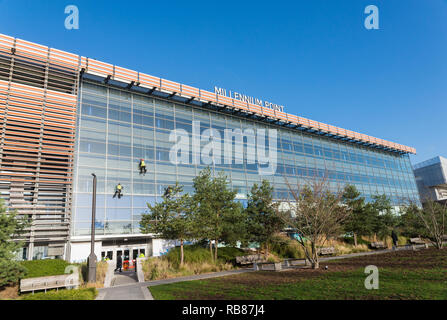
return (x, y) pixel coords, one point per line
(117, 128)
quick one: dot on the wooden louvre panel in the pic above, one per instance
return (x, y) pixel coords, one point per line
(38, 115)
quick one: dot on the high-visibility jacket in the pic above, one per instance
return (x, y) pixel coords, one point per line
(119, 187)
(142, 163)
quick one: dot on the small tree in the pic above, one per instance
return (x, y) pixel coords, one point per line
(316, 214)
(381, 212)
(360, 221)
(11, 227)
(263, 217)
(171, 218)
(432, 220)
(410, 224)
(216, 211)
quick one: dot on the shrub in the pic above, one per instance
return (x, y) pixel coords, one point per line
(285, 247)
(156, 268)
(101, 270)
(193, 254)
(229, 254)
(43, 268)
(75, 294)
(273, 259)
(197, 260)
(199, 254)
(350, 240)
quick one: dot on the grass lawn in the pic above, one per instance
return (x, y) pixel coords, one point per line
(44, 268)
(402, 275)
(64, 294)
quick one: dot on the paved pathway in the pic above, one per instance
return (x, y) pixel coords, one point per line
(125, 289)
(125, 277)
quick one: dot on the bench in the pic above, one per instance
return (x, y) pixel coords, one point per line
(293, 262)
(417, 241)
(377, 245)
(253, 258)
(51, 282)
(267, 266)
(326, 251)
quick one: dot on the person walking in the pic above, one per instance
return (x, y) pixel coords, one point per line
(119, 263)
(118, 191)
(395, 238)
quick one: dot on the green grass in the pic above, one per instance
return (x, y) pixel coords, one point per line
(43, 268)
(409, 275)
(75, 294)
(393, 284)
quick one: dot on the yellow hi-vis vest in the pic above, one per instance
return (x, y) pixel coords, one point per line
(142, 163)
(119, 187)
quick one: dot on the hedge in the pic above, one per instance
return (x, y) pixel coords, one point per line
(44, 268)
(75, 294)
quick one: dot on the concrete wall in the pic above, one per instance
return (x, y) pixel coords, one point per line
(79, 251)
(160, 246)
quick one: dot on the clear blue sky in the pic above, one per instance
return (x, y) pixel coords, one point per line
(315, 57)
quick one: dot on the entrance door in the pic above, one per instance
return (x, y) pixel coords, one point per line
(119, 253)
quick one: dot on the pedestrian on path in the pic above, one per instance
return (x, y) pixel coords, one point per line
(119, 263)
(395, 238)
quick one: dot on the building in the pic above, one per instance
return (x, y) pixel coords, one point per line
(66, 116)
(431, 179)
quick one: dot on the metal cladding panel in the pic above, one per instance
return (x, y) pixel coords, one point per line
(99, 68)
(208, 96)
(292, 118)
(303, 121)
(170, 86)
(38, 101)
(225, 100)
(332, 129)
(148, 81)
(268, 112)
(255, 108)
(64, 59)
(281, 115)
(126, 75)
(190, 91)
(324, 127)
(240, 105)
(6, 43)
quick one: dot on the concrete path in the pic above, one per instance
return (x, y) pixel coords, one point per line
(125, 277)
(125, 287)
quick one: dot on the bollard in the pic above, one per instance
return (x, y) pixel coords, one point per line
(277, 266)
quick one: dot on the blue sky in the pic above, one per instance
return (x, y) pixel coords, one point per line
(315, 57)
